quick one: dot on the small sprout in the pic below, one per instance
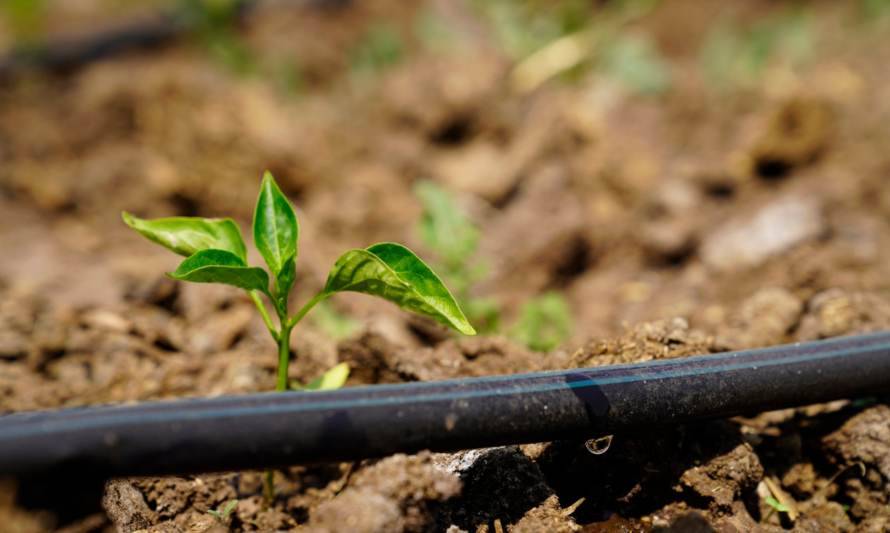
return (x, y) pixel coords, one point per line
(215, 253)
(733, 57)
(779, 500)
(380, 48)
(636, 63)
(775, 504)
(544, 322)
(331, 380)
(222, 512)
(332, 322)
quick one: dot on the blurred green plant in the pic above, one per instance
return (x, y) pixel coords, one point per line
(223, 512)
(25, 19)
(434, 32)
(454, 239)
(522, 27)
(333, 379)
(567, 39)
(545, 322)
(380, 47)
(635, 63)
(333, 323)
(214, 22)
(872, 10)
(731, 57)
(776, 505)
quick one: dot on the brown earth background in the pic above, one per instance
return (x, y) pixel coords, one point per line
(705, 176)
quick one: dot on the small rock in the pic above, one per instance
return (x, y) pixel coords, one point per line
(106, 320)
(764, 319)
(864, 438)
(829, 516)
(548, 516)
(838, 312)
(772, 231)
(358, 511)
(724, 478)
(126, 506)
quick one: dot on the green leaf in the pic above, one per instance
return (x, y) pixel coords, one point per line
(222, 512)
(775, 504)
(332, 379)
(394, 273)
(275, 228)
(187, 235)
(284, 282)
(220, 266)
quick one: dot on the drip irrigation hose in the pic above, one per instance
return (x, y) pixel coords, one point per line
(277, 429)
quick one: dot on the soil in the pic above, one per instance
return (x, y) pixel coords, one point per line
(694, 221)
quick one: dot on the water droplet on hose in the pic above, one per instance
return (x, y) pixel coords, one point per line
(599, 445)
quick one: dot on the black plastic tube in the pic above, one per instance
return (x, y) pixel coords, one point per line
(276, 429)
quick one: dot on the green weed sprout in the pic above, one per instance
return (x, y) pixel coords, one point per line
(544, 322)
(222, 512)
(215, 253)
(25, 19)
(448, 232)
(776, 505)
(381, 47)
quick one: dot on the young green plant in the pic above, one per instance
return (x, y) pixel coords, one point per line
(215, 253)
(222, 512)
(544, 322)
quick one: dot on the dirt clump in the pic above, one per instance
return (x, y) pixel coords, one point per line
(400, 493)
(725, 477)
(663, 339)
(865, 439)
(796, 133)
(703, 217)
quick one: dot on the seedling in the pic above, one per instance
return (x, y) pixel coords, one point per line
(222, 512)
(215, 253)
(544, 322)
(776, 505)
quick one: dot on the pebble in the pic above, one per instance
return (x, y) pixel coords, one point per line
(771, 231)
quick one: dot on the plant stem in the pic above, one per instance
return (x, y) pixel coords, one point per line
(255, 296)
(283, 355)
(269, 487)
(294, 320)
(282, 337)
